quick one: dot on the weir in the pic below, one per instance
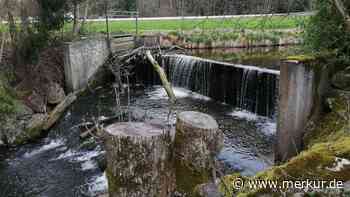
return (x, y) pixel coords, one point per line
(248, 88)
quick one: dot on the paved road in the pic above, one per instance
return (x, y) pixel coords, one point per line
(203, 17)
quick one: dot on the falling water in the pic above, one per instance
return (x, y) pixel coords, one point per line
(248, 88)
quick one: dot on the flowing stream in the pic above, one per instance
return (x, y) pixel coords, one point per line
(60, 164)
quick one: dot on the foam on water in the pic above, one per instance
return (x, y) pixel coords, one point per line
(268, 128)
(52, 145)
(87, 156)
(88, 165)
(84, 158)
(160, 93)
(243, 114)
(98, 185)
(265, 125)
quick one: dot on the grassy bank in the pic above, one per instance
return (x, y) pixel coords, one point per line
(271, 22)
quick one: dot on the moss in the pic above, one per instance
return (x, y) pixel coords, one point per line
(312, 164)
(188, 178)
(29, 135)
(328, 141)
(33, 130)
(7, 100)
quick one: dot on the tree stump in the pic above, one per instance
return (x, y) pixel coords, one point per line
(197, 141)
(139, 160)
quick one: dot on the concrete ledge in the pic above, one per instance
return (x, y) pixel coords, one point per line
(82, 60)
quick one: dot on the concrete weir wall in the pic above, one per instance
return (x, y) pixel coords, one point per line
(301, 91)
(82, 60)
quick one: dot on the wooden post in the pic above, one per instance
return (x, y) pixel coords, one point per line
(197, 141)
(107, 28)
(139, 160)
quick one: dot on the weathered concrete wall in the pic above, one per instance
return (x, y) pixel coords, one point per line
(82, 60)
(301, 91)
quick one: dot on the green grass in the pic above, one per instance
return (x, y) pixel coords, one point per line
(275, 22)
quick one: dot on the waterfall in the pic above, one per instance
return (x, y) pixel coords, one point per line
(246, 87)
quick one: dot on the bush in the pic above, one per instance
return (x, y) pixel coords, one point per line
(7, 101)
(326, 30)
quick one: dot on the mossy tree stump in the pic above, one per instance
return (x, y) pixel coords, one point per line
(139, 160)
(197, 141)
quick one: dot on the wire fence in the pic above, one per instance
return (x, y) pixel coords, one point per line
(130, 22)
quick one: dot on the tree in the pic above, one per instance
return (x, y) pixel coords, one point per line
(343, 11)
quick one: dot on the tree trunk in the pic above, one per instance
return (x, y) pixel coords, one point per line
(139, 160)
(3, 39)
(86, 12)
(76, 18)
(12, 27)
(343, 11)
(197, 141)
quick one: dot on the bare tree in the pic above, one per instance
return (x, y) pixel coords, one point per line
(343, 11)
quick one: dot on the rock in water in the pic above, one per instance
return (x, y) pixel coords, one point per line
(197, 141)
(59, 110)
(36, 103)
(139, 160)
(208, 190)
(341, 80)
(55, 94)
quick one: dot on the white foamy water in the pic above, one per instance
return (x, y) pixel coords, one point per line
(268, 128)
(98, 185)
(160, 93)
(264, 124)
(52, 145)
(88, 165)
(244, 115)
(84, 158)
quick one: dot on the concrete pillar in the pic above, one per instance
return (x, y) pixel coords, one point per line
(82, 60)
(300, 89)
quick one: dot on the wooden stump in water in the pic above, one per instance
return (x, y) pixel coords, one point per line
(197, 141)
(139, 160)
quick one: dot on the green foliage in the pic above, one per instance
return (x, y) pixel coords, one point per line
(39, 35)
(51, 15)
(326, 30)
(7, 102)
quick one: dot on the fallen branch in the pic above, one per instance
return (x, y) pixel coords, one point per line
(163, 77)
(58, 111)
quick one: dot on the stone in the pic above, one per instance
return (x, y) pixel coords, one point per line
(207, 190)
(55, 94)
(13, 125)
(59, 109)
(341, 80)
(340, 104)
(36, 102)
(37, 121)
(347, 187)
(33, 128)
